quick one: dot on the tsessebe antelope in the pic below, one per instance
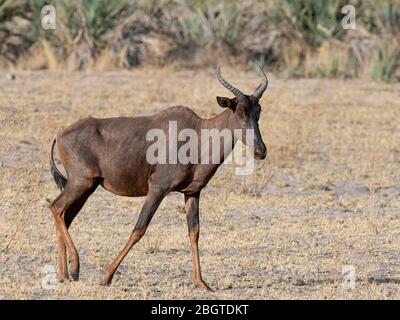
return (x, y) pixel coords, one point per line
(112, 153)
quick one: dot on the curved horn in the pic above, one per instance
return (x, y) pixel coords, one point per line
(238, 94)
(262, 87)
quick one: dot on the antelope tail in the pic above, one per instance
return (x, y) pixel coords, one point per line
(58, 177)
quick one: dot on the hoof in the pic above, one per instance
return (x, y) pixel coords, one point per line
(75, 276)
(64, 279)
(105, 282)
(202, 285)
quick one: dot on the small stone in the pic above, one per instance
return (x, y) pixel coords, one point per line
(11, 76)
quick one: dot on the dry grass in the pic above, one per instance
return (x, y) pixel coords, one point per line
(327, 197)
(296, 38)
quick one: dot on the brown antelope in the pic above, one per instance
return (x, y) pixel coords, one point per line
(112, 153)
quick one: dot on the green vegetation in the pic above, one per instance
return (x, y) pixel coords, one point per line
(296, 38)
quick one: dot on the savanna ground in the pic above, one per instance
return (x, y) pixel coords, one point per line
(326, 197)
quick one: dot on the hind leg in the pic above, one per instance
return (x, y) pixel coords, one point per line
(62, 252)
(70, 215)
(62, 259)
(64, 210)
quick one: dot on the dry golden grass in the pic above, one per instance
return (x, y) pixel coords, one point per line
(326, 197)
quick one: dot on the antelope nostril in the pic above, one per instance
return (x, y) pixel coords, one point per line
(260, 153)
(264, 150)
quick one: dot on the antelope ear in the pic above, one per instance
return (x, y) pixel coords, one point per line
(227, 103)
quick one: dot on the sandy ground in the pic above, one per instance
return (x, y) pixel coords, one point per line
(326, 200)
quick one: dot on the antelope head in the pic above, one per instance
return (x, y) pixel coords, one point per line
(246, 110)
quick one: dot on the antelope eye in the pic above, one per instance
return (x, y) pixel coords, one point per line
(258, 112)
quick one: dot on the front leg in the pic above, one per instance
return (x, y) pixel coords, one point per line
(153, 200)
(192, 215)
